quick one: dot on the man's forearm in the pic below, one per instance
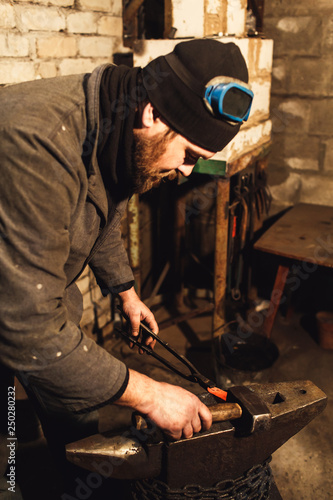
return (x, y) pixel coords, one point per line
(139, 391)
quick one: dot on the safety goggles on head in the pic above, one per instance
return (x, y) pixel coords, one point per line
(225, 97)
(228, 98)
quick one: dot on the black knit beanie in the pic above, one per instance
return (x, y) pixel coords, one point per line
(197, 61)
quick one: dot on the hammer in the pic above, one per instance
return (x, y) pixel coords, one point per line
(244, 408)
(220, 413)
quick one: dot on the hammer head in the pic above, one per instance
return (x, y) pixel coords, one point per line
(256, 415)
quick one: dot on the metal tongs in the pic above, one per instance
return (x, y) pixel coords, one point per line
(193, 376)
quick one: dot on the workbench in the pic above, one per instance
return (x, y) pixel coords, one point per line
(303, 234)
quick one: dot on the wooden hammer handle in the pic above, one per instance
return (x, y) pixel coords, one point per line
(220, 413)
(225, 411)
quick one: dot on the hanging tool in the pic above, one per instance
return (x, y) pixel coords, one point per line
(242, 196)
(193, 376)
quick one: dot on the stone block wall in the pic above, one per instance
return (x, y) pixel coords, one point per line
(47, 38)
(301, 163)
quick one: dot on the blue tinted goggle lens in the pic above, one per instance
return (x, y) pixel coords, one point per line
(230, 101)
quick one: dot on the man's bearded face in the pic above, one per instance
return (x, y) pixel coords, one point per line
(147, 155)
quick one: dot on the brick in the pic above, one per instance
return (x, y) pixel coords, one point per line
(280, 75)
(86, 272)
(147, 50)
(265, 59)
(16, 72)
(188, 18)
(307, 77)
(261, 100)
(7, 16)
(295, 36)
(104, 319)
(244, 45)
(83, 284)
(296, 114)
(117, 8)
(56, 3)
(297, 163)
(328, 159)
(276, 156)
(317, 188)
(236, 17)
(14, 46)
(76, 66)
(36, 18)
(215, 17)
(88, 316)
(287, 191)
(98, 5)
(110, 25)
(328, 34)
(96, 47)
(246, 140)
(258, 54)
(321, 118)
(56, 46)
(285, 7)
(81, 22)
(293, 24)
(103, 302)
(290, 116)
(47, 70)
(87, 301)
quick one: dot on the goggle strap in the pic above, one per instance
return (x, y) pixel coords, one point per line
(184, 75)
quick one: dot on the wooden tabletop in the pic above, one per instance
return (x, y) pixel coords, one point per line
(305, 232)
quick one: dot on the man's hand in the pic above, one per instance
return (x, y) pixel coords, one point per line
(176, 411)
(137, 311)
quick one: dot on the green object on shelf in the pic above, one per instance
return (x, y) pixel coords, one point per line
(211, 167)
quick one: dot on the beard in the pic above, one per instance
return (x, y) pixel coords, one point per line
(146, 155)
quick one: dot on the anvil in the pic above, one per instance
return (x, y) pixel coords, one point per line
(272, 413)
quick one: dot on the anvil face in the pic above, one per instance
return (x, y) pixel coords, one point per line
(273, 415)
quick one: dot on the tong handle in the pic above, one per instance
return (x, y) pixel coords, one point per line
(194, 375)
(166, 346)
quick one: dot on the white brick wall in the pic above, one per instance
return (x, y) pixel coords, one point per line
(56, 47)
(188, 18)
(37, 18)
(47, 38)
(14, 45)
(7, 16)
(82, 22)
(16, 71)
(110, 25)
(93, 46)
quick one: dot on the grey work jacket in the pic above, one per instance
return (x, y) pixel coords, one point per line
(53, 221)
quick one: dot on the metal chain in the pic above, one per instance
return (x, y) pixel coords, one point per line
(255, 484)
